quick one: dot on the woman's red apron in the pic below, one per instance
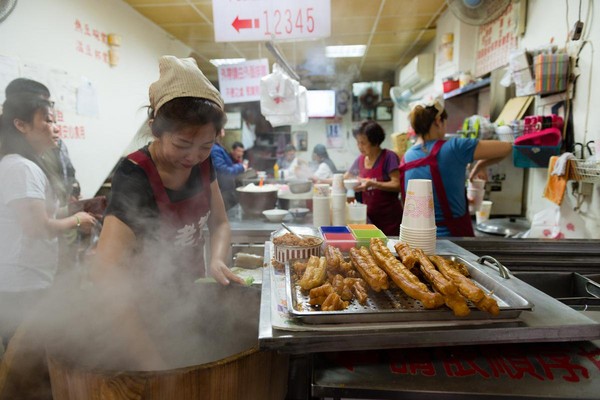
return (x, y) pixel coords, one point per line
(181, 223)
(458, 226)
(383, 208)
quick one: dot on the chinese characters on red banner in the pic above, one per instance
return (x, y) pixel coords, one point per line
(542, 363)
(91, 42)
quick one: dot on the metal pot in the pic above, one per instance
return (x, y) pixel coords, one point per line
(254, 203)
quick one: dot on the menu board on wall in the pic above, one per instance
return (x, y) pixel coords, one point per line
(495, 40)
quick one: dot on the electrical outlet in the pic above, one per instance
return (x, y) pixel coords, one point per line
(586, 188)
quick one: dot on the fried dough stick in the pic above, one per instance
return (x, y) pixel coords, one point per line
(466, 286)
(315, 274)
(402, 277)
(334, 257)
(368, 269)
(453, 299)
(407, 255)
(333, 302)
(319, 294)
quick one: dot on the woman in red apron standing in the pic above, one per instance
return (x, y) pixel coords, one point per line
(445, 164)
(164, 196)
(379, 185)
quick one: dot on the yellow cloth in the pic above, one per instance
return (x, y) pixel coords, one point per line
(556, 185)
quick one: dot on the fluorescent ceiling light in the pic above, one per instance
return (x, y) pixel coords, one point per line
(357, 50)
(224, 61)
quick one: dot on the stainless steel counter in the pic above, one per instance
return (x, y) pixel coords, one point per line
(257, 229)
(549, 321)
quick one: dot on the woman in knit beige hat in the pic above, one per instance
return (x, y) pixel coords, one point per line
(164, 196)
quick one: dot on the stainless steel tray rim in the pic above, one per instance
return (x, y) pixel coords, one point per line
(507, 311)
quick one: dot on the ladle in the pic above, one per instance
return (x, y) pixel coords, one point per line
(291, 231)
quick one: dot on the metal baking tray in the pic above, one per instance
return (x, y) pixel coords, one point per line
(393, 305)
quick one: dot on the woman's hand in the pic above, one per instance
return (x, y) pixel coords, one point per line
(223, 274)
(365, 184)
(478, 171)
(84, 221)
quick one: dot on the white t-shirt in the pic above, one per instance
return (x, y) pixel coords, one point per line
(26, 263)
(323, 171)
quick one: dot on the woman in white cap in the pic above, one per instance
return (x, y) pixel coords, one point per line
(445, 163)
(163, 198)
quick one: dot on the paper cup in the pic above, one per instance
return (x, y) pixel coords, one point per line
(419, 187)
(321, 190)
(483, 214)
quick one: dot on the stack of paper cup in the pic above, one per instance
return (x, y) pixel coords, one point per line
(475, 193)
(321, 204)
(337, 184)
(338, 208)
(418, 220)
(321, 190)
(483, 214)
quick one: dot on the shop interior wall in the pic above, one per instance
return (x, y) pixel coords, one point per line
(43, 33)
(538, 33)
(542, 27)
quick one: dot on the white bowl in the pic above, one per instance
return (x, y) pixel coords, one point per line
(298, 213)
(275, 215)
(350, 184)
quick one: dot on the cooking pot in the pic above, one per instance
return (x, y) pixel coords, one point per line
(253, 203)
(211, 346)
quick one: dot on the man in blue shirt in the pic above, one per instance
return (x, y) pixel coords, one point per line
(226, 171)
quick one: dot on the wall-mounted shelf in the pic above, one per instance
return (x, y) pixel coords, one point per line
(471, 87)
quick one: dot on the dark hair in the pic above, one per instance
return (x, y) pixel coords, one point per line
(289, 147)
(235, 145)
(321, 151)
(373, 131)
(22, 106)
(25, 85)
(183, 112)
(422, 117)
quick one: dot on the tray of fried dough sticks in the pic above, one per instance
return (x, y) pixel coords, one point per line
(393, 305)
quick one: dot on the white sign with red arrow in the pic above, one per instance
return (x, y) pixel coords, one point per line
(257, 20)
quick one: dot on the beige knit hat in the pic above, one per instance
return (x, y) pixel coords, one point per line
(181, 77)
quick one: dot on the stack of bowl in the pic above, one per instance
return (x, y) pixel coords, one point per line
(418, 220)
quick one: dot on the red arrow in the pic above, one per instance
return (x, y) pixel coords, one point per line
(241, 23)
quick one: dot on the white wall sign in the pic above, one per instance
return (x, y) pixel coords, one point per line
(243, 20)
(240, 83)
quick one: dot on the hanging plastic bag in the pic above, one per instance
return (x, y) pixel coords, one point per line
(557, 222)
(283, 101)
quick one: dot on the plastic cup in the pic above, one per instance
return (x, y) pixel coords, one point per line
(357, 213)
(477, 184)
(483, 214)
(476, 197)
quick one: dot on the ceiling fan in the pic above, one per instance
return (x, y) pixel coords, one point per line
(477, 12)
(6, 7)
